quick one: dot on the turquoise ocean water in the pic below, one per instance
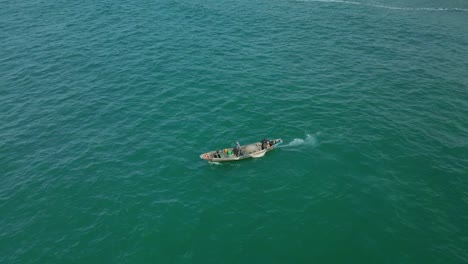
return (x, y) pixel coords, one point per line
(106, 105)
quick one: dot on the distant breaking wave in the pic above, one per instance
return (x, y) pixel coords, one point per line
(387, 7)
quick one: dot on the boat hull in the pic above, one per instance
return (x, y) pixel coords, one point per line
(253, 150)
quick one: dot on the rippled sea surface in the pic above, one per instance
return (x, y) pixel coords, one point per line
(105, 107)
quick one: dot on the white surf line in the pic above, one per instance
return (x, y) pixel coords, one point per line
(387, 7)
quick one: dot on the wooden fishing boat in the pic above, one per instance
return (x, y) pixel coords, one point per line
(254, 150)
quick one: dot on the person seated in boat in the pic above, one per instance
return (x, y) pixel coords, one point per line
(265, 143)
(237, 150)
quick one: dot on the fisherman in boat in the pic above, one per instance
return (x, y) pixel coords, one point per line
(266, 143)
(237, 150)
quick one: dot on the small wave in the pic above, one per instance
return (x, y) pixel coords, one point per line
(388, 7)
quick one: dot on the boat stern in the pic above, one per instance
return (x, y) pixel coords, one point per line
(277, 141)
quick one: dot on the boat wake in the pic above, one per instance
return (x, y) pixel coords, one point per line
(309, 140)
(388, 7)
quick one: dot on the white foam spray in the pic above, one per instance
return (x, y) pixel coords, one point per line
(388, 7)
(309, 140)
